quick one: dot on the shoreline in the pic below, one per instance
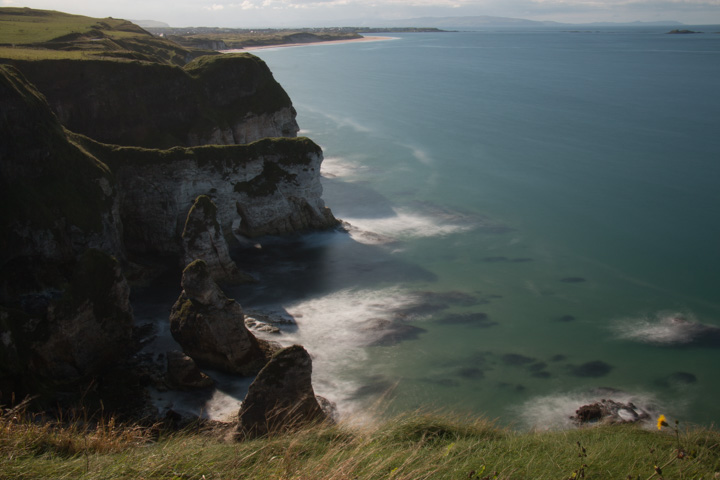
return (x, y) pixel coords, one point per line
(329, 42)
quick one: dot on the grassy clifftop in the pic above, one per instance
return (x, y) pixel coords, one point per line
(412, 447)
(28, 34)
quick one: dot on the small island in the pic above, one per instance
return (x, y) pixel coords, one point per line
(681, 32)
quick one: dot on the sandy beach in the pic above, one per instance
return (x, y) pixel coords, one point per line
(329, 42)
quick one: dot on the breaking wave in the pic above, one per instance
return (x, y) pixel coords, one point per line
(554, 412)
(668, 328)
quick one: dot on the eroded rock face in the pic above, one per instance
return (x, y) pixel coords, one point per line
(55, 200)
(222, 99)
(268, 187)
(64, 309)
(58, 337)
(210, 327)
(203, 239)
(183, 373)
(281, 397)
(609, 411)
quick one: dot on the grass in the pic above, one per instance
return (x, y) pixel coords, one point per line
(29, 34)
(411, 446)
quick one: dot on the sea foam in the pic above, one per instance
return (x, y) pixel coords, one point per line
(554, 412)
(667, 328)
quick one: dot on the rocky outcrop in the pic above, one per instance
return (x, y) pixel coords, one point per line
(268, 187)
(203, 239)
(609, 411)
(210, 327)
(215, 99)
(183, 373)
(281, 397)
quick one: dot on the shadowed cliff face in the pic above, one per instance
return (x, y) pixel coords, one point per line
(220, 99)
(71, 207)
(57, 200)
(64, 302)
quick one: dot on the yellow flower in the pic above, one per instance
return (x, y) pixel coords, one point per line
(661, 422)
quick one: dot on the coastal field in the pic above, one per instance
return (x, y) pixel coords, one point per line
(413, 446)
(29, 34)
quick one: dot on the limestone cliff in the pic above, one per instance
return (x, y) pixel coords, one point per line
(224, 99)
(271, 186)
(202, 239)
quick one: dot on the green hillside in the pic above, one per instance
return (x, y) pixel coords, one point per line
(29, 34)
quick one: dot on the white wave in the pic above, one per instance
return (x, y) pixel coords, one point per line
(404, 224)
(420, 155)
(664, 328)
(554, 412)
(334, 167)
(336, 329)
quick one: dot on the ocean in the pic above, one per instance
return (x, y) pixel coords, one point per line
(533, 223)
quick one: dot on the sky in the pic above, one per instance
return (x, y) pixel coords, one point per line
(318, 13)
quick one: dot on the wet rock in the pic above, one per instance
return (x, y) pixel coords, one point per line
(516, 359)
(389, 332)
(203, 239)
(677, 380)
(210, 327)
(454, 297)
(260, 326)
(477, 319)
(374, 386)
(516, 387)
(441, 382)
(537, 366)
(495, 259)
(596, 368)
(471, 373)
(182, 373)
(281, 397)
(609, 411)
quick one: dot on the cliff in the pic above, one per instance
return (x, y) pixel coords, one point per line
(64, 303)
(73, 209)
(227, 99)
(271, 186)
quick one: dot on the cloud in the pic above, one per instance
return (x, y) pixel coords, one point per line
(215, 7)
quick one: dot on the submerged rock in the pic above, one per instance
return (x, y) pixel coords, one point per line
(210, 327)
(595, 368)
(281, 397)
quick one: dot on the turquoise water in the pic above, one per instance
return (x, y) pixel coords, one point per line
(533, 215)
